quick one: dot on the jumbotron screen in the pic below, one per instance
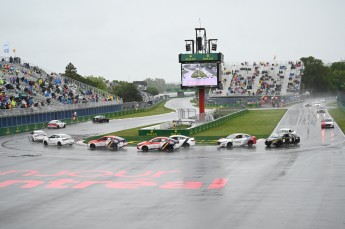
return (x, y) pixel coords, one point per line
(199, 74)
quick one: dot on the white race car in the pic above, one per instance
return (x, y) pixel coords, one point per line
(58, 139)
(159, 143)
(56, 124)
(238, 139)
(37, 135)
(184, 141)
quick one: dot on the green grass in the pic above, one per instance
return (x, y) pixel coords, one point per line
(339, 117)
(260, 123)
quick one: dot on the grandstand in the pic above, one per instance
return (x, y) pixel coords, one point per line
(25, 88)
(257, 80)
(260, 79)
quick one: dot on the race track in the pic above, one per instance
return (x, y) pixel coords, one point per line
(204, 187)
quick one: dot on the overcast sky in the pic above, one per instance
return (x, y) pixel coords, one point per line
(133, 40)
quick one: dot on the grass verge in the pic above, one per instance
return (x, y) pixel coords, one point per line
(260, 123)
(339, 117)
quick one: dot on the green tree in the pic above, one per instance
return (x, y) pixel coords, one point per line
(71, 72)
(152, 90)
(127, 91)
(338, 76)
(158, 83)
(316, 77)
(98, 82)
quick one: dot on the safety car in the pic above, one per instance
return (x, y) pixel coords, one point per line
(237, 139)
(159, 143)
(58, 139)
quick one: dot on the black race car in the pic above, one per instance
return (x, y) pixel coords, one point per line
(282, 139)
(100, 119)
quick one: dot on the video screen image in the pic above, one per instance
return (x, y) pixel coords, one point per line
(199, 74)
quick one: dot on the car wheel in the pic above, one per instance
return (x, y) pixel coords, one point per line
(115, 146)
(92, 146)
(145, 148)
(170, 148)
(59, 144)
(186, 145)
(279, 143)
(250, 143)
(58, 127)
(64, 126)
(45, 143)
(268, 144)
(229, 145)
(108, 121)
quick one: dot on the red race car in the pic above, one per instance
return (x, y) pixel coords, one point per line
(112, 142)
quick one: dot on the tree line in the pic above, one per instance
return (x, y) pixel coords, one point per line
(319, 78)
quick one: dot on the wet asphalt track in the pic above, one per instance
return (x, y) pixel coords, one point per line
(300, 186)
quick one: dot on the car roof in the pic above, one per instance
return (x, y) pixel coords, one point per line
(285, 129)
(63, 135)
(38, 131)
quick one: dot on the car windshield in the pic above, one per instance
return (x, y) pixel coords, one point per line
(231, 136)
(329, 120)
(275, 135)
(64, 136)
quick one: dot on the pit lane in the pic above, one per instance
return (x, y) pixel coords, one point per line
(299, 186)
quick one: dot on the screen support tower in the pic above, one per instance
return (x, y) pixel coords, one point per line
(201, 46)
